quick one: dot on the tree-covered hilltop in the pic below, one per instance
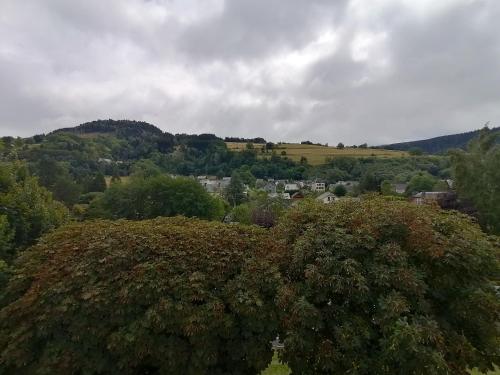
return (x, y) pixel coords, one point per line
(124, 128)
(438, 145)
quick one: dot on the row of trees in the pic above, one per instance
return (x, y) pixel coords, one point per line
(378, 286)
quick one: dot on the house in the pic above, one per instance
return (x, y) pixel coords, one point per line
(327, 197)
(210, 186)
(291, 187)
(445, 199)
(269, 187)
(214, 186)
(224, 183)
(399, 188)
(318, 186)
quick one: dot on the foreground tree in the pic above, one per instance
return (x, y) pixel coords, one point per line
(165, 296)
(477, 177)
(385, 287)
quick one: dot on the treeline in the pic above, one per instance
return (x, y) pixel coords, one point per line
(377, 286)
(245, 140)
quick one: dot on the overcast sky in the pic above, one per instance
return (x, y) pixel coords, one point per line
(375, 71)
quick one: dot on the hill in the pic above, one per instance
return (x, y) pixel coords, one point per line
(438, 145)
(117, 127)
(317, 155)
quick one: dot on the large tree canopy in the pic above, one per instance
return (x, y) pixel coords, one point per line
(165, 296)
(386, 287)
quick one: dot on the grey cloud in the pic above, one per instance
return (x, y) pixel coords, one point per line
(253, 67)
(253, 29)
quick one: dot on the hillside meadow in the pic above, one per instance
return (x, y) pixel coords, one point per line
(316, 155)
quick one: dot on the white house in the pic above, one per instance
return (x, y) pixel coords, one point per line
(399, 188)
(327, 197)
(292, 187)
(318, 186)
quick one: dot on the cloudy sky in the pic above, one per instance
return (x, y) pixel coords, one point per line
(355, 71)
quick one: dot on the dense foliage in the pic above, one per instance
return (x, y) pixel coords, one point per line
(477, 177)
(158, 195)
(259, 140)
(27, 210)
(166, 296)
(385, 287)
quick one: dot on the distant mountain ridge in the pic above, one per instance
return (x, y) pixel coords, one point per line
(438, 145)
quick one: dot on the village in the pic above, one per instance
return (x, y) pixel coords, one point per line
(296, 190)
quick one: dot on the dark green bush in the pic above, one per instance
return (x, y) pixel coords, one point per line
(387, 287)
(164, 296)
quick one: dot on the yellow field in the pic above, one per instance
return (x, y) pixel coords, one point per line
(317, 154)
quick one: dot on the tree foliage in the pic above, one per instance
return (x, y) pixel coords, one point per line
(235, 191)
(147, 198)
(165, 296)
(386, 287)
(421, 182)
(477, 177)
(27, 210)
(340, 190)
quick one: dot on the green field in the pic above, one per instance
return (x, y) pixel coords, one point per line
(317, 155)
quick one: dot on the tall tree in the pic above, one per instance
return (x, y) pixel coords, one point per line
(477, 177)
(97, 183)
(235, 191)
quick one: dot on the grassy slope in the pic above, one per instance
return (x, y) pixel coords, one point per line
(317, 154)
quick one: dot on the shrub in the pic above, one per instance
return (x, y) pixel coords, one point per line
(163, 296)
(385, 287)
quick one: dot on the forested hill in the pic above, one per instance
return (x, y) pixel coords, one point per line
(438, 145)
(117, 127)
